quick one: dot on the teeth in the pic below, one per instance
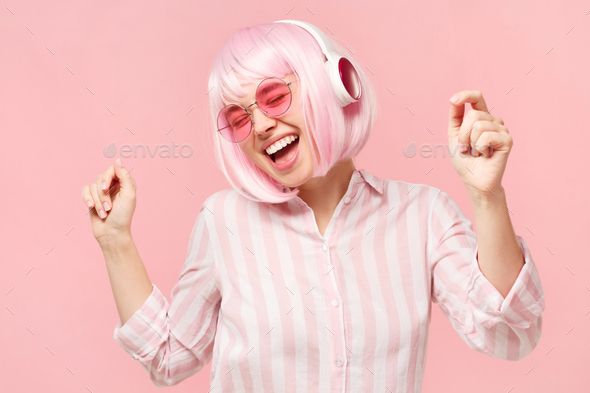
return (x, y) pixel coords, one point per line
(278, 145)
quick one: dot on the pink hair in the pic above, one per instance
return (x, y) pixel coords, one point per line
(277, 49)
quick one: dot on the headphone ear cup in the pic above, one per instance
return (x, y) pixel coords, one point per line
(343, 75)
(350, 79)
(345, 80)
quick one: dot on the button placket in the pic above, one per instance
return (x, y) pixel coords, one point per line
(335, 321)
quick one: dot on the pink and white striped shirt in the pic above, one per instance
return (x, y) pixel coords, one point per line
(280, 308)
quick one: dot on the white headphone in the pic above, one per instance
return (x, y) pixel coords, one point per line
(344, 77)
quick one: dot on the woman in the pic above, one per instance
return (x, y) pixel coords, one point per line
(311, 275)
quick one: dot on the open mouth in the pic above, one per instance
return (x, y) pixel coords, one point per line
(283, 150)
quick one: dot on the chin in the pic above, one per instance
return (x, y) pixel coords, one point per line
(297, 176)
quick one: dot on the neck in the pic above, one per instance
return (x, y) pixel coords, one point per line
(322, 194)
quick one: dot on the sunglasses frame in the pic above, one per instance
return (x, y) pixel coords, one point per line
(256, 103)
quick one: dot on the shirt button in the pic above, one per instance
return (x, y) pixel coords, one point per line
(324, 247)
(338, 362)
(335, 303)
(347, 200)
(134, 356)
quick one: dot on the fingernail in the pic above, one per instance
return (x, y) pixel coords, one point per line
(102, 214)
(455, 98)
(104, 185)
(89, 203)
(462, 147)
(106, 206)
(120, 163)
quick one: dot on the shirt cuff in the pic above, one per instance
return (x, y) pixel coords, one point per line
(523, 304)
(146, 329)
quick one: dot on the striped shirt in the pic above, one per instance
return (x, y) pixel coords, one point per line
(278, 307)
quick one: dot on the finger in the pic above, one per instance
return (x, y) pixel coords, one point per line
(474, 97)
(494, 141)
(484, 148)
(103, 187)
(455, 119)
(107, 186)
(126, 182)
(479, 127)
(499, 141)
(97, 203)
(466, 128)
(87, 197)
(498, 120)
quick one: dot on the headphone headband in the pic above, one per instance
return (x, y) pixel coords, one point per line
(343, 75)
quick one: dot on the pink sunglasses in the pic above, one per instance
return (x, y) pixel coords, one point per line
(273, 97)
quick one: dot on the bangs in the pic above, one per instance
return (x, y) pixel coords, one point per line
(249, 67)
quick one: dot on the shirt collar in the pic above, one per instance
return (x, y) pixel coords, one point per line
(361, 175)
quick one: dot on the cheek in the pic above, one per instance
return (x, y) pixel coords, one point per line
(247, 146)
(256, 158)
(309, 144)
(309, 138)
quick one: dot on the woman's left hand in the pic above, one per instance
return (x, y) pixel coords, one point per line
(481, 168)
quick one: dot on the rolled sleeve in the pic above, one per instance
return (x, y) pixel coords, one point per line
(506, 328)
(146, 329)
(173, 341)
(522, 306)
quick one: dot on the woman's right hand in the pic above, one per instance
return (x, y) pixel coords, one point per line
(111, 200)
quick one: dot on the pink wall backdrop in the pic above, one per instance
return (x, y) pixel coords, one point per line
(76, 76)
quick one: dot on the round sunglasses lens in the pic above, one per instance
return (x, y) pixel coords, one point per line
(234, 123)
(273, 96)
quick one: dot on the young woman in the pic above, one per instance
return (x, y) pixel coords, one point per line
(310, 274)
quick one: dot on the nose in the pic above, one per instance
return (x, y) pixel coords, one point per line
(260, 122)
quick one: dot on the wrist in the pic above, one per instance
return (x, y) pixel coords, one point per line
(496, 197)
(492, 201)
(121, 241)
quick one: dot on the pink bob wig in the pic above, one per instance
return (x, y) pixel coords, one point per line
(278, 49)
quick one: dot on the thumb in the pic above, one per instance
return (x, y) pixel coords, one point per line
(126, 182)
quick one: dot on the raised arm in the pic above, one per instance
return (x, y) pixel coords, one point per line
(111, 200)
(172, 341)
(505, 326)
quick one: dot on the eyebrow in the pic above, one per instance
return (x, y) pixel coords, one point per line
(233, 109)
(269, 87)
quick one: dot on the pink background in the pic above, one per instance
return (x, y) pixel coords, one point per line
(142, 66)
